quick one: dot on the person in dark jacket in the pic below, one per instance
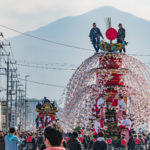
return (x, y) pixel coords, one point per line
(73, 143)
(92, 142)
(121, 36)
(2, 143)
(85, 142)
(40, 140)
(43, 147)
(95, 35)
(100, 144)
(119, 143)
(131, 142)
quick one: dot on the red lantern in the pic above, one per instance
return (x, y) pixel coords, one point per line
(111, 34)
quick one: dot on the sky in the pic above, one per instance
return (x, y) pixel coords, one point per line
(26, 15)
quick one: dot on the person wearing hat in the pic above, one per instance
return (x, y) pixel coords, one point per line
(95, 35)
(121, 36)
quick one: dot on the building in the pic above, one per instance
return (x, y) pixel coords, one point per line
(4, 112)
(31, 114)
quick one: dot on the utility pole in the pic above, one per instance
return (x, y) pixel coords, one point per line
(26, 99)
(10, 92)
(11, 79)
(12, 108)
(7, 93)
(22, 109)
(16, 102)
(1, 47)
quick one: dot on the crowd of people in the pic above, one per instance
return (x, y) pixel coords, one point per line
(53, 138)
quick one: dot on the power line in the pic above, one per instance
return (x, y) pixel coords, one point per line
(138, 55)
(11, 51)
(57, 43)
(46, 84)
(47, 64)
(46, 40)
(48, 68)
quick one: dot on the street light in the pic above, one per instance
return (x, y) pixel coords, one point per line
(27, 76)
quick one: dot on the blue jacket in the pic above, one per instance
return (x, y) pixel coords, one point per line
(11, 142)
(95, 33)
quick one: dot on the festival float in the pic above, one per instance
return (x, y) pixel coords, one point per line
(47, 110)
(112, 73)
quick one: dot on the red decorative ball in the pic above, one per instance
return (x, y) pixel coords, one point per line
(109, 141)
(111, 34)
(137, 141)
(124, 142)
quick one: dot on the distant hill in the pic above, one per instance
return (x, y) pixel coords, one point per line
(74, 31)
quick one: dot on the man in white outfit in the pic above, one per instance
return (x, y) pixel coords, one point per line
(121, 103)
(126, 122)
(122, 108)
(97, 125)
(101, 102)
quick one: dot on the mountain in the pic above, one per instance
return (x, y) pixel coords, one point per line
(73, 30)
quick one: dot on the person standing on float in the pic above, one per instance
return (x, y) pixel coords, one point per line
(101, 102)
(121, 36)
(97, 125)
(122, 107)
(126, 126)
(100, 105)
(95, 35)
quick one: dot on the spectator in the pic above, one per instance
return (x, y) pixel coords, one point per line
(73, 143)
(30, 142)
(100, 144)
(2, 143)
(43, 147)
(131, 142)
(53, 138)
(40, 141)
(11, 141)
(92, 142)
(23, 142)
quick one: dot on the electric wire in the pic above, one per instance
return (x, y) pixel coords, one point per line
(46, 40)
(57, 43)
(46, 84)
(48, 68)
(47, 64)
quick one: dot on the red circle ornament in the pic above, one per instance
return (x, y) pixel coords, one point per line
(111, 34)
